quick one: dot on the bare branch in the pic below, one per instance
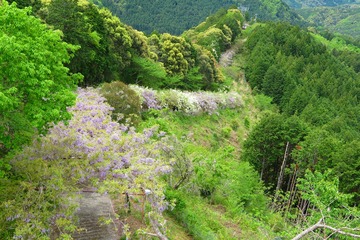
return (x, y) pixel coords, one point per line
(155, 227)
(308, 230)
(320, 224)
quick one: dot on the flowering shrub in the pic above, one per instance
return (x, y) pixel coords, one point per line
(91, 149)
(187, 102)
(125, 101)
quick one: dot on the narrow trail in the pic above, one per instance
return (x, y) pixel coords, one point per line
(94, 207)
(226, 57)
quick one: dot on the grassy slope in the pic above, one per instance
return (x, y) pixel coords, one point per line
(336, 43)
(212, 218)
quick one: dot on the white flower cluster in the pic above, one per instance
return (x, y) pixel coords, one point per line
(188, 102)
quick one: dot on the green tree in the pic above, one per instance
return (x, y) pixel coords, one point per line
(317, 150)
(266, 144)
(212, 76)
(347, 167)
(78, 28)
(35, 86)
(177, 54)
(328, 209)
(124, 100)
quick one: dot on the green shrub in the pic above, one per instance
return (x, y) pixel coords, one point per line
(226, 132)
(125, 101)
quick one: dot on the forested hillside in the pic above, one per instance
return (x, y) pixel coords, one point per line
(317, 90)
(183, 146)
(342, 19)
(317, 3)
(177, 16)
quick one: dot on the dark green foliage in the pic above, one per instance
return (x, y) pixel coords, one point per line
(145, 72)
(212, 76)
(285, 59)
(34, 4)
(305, 79)
(348, 168)
(313, 3)
(351, 58)
(166, 16)
(265, 146)
(177, 16)
(103, 39)
(125, 101)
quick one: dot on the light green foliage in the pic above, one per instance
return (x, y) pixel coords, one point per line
(336, 19)
(326, 202)
(264, 103)
(187, 66)
(218, 31)
(176, 54)
(38, 202)
(223, 194)
(214, 40)
(140, 45)
(229, 183)
(124, 100)
(35, 86)
(336, 42)
(119, 38)
(146, 72)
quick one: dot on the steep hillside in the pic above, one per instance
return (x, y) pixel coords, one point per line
(306, 80)
(163, 16)
(262, 146)
(343, 19)
(317, 3)
(177, 16)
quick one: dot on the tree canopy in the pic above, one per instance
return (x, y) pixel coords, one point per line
(307, 80)
(35, 86)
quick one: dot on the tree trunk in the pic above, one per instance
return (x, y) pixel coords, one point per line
(262, 169)
(282, 169)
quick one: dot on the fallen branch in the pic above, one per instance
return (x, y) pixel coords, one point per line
(155, 227)
(320, 224)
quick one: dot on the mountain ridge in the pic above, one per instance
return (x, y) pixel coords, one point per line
(175, 17)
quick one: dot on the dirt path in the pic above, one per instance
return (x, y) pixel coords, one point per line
(226, 57)
(94, 207)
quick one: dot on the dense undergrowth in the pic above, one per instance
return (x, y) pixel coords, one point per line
(270, 151)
